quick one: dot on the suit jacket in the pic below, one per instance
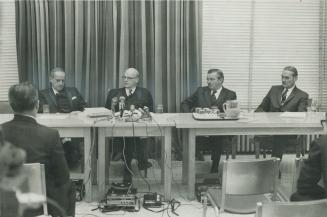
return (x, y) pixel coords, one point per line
(297, 101)
(201, 98)
(140, 98)
(75, 99)
(43, 145)
(314, 168)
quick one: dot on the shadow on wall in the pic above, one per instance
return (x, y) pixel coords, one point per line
(5, 108)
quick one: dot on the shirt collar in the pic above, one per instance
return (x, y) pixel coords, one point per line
(290, 89)
(24, 115)
(127, 90)
(54, 91)
(217, 91)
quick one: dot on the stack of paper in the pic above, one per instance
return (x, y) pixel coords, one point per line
(97, 112)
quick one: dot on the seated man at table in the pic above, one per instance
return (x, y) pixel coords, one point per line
(206, 97)
(62, 99)
(41, 144)
(312, 181)
(284, 98)
(129, 95)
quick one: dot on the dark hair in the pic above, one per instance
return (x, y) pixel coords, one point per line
(218, 71)
(22, 97)
(292, 69)
(54, 70)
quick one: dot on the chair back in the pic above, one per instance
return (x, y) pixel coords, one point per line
(250, 177)
(315, 208)
(5, 107)
(297, 169)
(36, 181)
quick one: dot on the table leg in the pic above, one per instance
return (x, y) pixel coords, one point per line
(235, 142)
(101, 162)
(166, 167)
(191, 164)
(87, 165)
(185, 169)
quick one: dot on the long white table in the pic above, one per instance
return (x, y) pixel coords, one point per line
(248, 124)
(70, 125)
(159, 126)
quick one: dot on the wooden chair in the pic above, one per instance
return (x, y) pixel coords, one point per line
(244, 183)
(315, 208)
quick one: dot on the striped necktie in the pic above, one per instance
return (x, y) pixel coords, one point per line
(213, 96)
(284, 94)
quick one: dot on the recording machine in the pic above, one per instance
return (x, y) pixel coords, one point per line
(120, 197)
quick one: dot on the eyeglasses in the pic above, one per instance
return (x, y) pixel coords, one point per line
(213, 79)
(128, 78)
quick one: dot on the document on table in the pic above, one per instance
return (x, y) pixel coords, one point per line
(293, 115)
(52, 116)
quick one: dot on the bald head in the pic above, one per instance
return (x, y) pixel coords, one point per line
(131, 78)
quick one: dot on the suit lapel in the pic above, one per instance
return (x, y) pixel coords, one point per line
(293, 93)
(52, 97)
(279, 95)
(69, 97)
(123, 92)
(221, 97)
(207, 96)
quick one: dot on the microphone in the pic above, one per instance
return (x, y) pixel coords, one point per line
(114, 102)
(121, 103)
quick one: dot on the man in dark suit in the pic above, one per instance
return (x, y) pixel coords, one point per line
(312, 182)
(284, 98)
(62, 99)
(42, 145)
(206, 97)
(129, 95)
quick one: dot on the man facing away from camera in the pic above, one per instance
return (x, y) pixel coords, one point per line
(42, 145)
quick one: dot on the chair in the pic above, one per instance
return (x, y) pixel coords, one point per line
(36, 182)
(297, 168)
(244, 183)
(315, 208)
(262, 144)
(285, 191)
(5, 108)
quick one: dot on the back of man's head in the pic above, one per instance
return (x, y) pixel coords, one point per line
(23, 97)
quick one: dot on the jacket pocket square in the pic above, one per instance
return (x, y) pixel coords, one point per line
(74, 97)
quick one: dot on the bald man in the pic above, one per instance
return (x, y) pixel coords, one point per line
(139, 97)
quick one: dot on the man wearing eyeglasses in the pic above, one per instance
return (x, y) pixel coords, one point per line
(206, 97)
(139, 97)
(284, 98)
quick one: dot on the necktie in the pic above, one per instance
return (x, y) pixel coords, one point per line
(213, 96)
(130, 92)
(284, 96)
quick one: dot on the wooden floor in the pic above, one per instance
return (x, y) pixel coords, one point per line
(179, 192)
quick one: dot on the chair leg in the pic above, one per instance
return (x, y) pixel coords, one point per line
(205, 205)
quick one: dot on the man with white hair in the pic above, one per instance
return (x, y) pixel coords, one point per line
(131, 95)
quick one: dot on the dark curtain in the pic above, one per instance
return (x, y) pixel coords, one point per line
(95, 41)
